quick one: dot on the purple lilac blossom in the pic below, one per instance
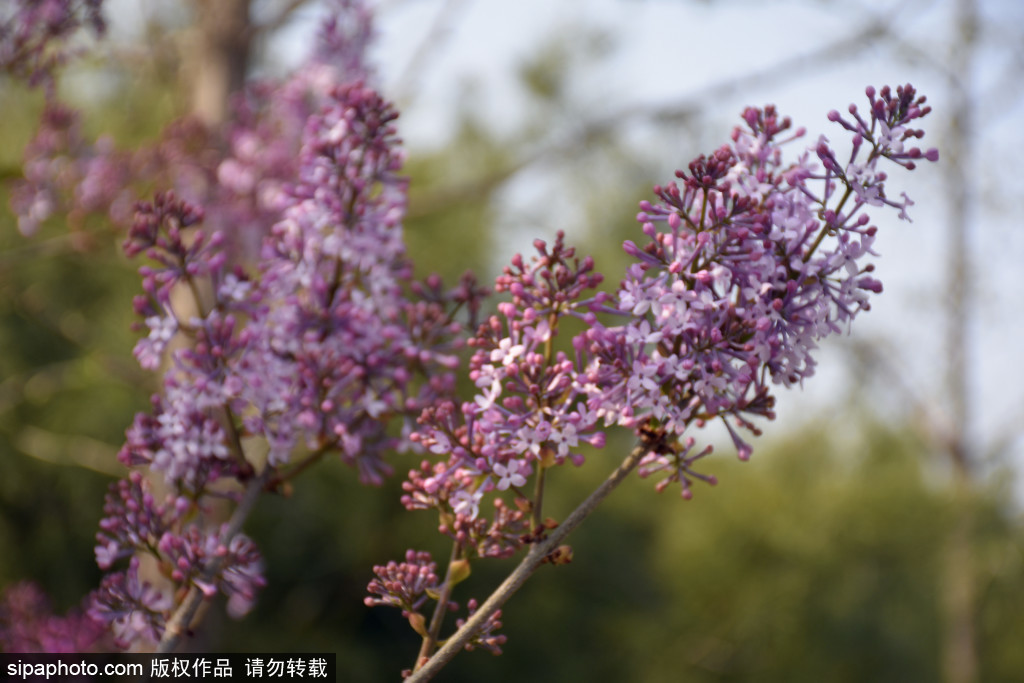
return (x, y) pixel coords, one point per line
(323, 348)
(756, 261)
(27, 624)
(238, 172)
(333, 283)
(487, 638)
(749, 262)
(529, 413)
(268, 120)
(134, 609)
(35, 35)
(59, 162)
(529, 406)
(317, 349)
(404, 584)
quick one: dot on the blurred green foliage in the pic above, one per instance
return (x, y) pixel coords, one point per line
(68, 383)
(451, 194)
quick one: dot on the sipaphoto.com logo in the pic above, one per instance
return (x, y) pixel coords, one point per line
(70, 667)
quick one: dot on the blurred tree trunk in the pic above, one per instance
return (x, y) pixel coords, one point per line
(960, 664)
(215, 62)
(218, 65)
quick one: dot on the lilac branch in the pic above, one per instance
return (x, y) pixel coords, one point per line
(177, 625)
(437, 619)
(755, 261)
(529, 564)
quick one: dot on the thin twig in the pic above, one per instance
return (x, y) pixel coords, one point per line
(412, 74)
(437, 620)
(688, 105)
(300, 467)
(278, 21)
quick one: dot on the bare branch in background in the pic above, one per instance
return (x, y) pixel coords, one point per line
(407, 84)
(279, 20)
(686, 107)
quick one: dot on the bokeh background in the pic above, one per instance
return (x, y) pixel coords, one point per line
(877, 533)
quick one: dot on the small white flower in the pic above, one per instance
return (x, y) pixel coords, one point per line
(149, 351)
(485, 400)
(466, 503)
(442, 446)
(508, 475)
(566, 437)
(507, 352)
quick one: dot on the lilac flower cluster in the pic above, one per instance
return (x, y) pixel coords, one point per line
(27, 624)
(183, 438)
(283, 312)
(750, 262)
(239, 171)
(59, 163)
(318, 351)
(190, 437)
(435, 487)
(135, 524)
(34, 35)
(487, 637)
(248, 185)
(757, 261)
(528, 411)
(404, 584)
(131, 608)
(529, 415)
(337, 335)
(34, 43)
